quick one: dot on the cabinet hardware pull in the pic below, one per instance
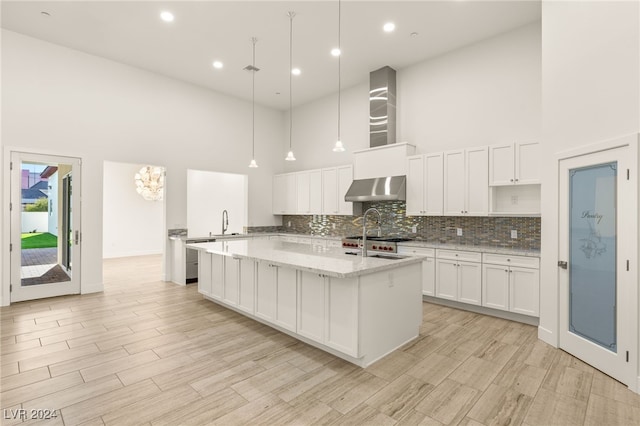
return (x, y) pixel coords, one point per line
(506, 270)
(511, 180)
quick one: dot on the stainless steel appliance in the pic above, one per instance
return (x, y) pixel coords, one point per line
(380, 244)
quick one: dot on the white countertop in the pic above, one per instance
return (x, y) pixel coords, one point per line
(307, 257)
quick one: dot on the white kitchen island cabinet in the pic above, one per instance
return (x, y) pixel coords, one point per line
(359, 309)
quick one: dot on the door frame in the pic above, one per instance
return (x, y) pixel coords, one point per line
(5, 255)
(630, 142)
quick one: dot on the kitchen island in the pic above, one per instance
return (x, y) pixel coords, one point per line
(357, 308)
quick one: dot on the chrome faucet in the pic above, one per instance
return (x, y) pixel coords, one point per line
(225, 221)
(364, 228)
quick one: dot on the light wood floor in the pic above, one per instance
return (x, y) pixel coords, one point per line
(149, 352)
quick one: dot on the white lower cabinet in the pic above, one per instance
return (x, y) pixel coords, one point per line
(428, 266)
(266, 278)
(276, 295)
(511, 283)
(311, 306)
(246, 285)
(204, 273)
(328, 311)
(217, 276)
(459, 276)
(231, 278)
(286, 298)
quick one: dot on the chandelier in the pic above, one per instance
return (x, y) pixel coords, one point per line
(150, 183)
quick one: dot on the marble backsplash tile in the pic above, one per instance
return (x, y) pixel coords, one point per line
(490, 231)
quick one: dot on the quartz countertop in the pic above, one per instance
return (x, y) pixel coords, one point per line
(330, 261)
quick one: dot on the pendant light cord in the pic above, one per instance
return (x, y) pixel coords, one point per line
(339, 58)
(253, 101)
(291, 15)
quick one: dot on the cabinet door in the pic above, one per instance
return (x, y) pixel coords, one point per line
(470, 283)
(434, 185)
(290, 193)
(501, 164)
(217, 276)
(415, 185)
(246, 285)
(311, 306)
(330, 191)
(524, 294)
(279, 194)
(266, 291)
(315, 192)
(231, 275)
(454, 177)
(429, 276)
(286, 298)
(345, 178)
(302, 193)
(476, 182)
(342, 315)
(495, 286)
(447, 279)
(527, 163)
(204, 272)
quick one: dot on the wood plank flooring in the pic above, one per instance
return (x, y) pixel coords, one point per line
(149, 352)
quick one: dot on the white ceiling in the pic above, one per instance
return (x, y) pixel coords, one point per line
(203, 31)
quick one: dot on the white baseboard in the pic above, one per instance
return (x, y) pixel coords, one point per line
(86, 288)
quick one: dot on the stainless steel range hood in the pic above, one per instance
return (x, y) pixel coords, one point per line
(382, 131)
(390, 188)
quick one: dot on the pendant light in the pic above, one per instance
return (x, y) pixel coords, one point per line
(290, 156)
(253, 70)
(339, 147)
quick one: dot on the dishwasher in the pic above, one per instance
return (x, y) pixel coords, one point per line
(191, 259)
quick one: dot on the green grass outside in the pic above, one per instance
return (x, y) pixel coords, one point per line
(39, 240)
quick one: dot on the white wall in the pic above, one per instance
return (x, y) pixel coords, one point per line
(37, 221)
(61, 101)
(591, 93)
(131, 225)
(486, 93)
(208, 194)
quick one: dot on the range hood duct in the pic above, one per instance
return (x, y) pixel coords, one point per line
(390, 188)
(382, 107)
(382, 131)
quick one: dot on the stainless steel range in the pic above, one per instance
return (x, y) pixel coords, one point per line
(382, 244)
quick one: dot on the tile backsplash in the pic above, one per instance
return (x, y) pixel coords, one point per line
(490, 231)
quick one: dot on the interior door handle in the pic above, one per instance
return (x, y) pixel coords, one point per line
(77, 237)
(562, 264)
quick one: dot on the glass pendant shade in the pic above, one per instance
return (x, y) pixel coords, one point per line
(253, 164)
(290, 156)
(338, 147)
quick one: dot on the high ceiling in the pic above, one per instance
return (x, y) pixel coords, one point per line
(203, 31)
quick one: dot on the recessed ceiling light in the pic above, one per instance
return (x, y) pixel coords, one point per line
(218, 65)
(296, 71)
(166, 16)
(389, 27)
(335, 51)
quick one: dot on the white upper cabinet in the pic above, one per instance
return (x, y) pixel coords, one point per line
(330, 191)
(284, 194)
(466, 191)
(514, 164)
(425, 185)
(309, 192)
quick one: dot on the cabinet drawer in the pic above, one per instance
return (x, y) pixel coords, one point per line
(465, 256)
(416, 251)
(505, 260)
